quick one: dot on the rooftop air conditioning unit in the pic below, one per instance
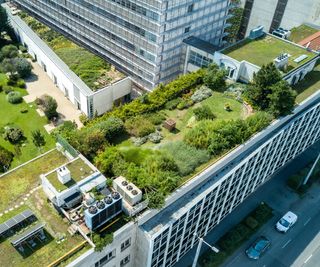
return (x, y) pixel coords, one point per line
(129, 191)
(64, 175)
(281, 62)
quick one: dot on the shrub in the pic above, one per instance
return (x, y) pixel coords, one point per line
(21, 83)
(9, 51)
(232, 239)
(185, 104)
(172, 104)
(155, 118)
(14, 97)
(138, 126)
(83, 118)
(23, 49)
(1, 87)
(186, 157)
(156, 200)
(23, 67)
(251, 222)
(101, 241)
(7, 89)
(201, 94)
(139, 141)
(215, 78)
(13, 134)
(155, 137)
(203, 113)
(23, 111)
(111, 127)
(6, 158)
(50, 107)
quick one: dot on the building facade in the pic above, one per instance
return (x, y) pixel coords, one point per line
(141, 38)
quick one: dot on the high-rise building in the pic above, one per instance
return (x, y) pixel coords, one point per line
(142, 38)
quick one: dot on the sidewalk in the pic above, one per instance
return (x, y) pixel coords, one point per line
(275, 193)
(39, 84)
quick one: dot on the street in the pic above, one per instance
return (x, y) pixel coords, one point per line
(286, 249)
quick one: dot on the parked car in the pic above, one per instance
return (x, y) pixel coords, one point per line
(287, 221)
(258, 248)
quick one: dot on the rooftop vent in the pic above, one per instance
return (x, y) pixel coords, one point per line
(64, 175)
(115, 195)
(129, 187)
(108, 200)
(124, 183)
(93, 210)
(100, 205)
(282, 61)
(134, 192)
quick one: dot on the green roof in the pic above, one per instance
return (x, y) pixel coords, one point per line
(79, 170)
(264, 50)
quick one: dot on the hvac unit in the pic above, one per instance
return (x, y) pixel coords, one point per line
(129, 191)
(103, 211)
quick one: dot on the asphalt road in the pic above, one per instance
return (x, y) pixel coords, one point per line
(286, 248)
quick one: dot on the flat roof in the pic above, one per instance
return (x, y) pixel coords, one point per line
(201, 44)
(79, 170)
(264, 50)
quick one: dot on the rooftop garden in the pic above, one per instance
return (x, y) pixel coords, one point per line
(16, 184)
(57, 244)
(264, 50)
(78, 169)
(300, 33)
(93, 70)
(163, 138)
(309, 85)
(22, 135)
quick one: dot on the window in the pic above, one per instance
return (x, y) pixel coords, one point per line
(106, 258)
(187, 29)
(124, 261)
(190, 8)
(126, 244)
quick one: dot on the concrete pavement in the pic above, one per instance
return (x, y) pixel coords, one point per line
(274, 192)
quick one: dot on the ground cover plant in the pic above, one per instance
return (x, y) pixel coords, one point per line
(93, 70)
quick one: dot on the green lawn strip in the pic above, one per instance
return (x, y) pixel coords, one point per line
(309, 85)
(14, 185)
(301, 32)
(235, 237)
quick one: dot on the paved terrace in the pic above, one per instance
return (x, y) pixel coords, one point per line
(179, 201)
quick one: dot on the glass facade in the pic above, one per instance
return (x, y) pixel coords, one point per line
(141, 38)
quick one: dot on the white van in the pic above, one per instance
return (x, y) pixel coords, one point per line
(288, 220)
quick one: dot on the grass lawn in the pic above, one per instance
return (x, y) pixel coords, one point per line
(301, 32)
(309, 85)
(264, 50)
(15, 185)
(51, 250)
(10, 115)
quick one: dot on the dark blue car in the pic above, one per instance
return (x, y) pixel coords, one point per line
(259, 247)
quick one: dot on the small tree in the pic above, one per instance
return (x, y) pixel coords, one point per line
(203, 113)
(8, 66)
(6, 158)
(215, 78)
(50, 107)
(10, 51)
(38, 139)
(282, 99)
(23, 67)
(17, 151)
(13, 134)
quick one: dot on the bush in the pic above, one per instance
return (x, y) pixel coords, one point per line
(83, 118)
(7, 89)
(14, 97)
(111, 127)
(155, 118)
(215, 78)
(1, 87)
(13, 134)
(23, 111)
(185, 104)
(231, 240)
(262, 213)
(139, 141)
(251, 222)
(172, 104)
(186, 157)
(49, 107)
(23, 67)
(203, 113)
(155, 137)
(201, 94)
(139, 127)
(23, 49)
(6, 158)
(9, 51)
(21, 83)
